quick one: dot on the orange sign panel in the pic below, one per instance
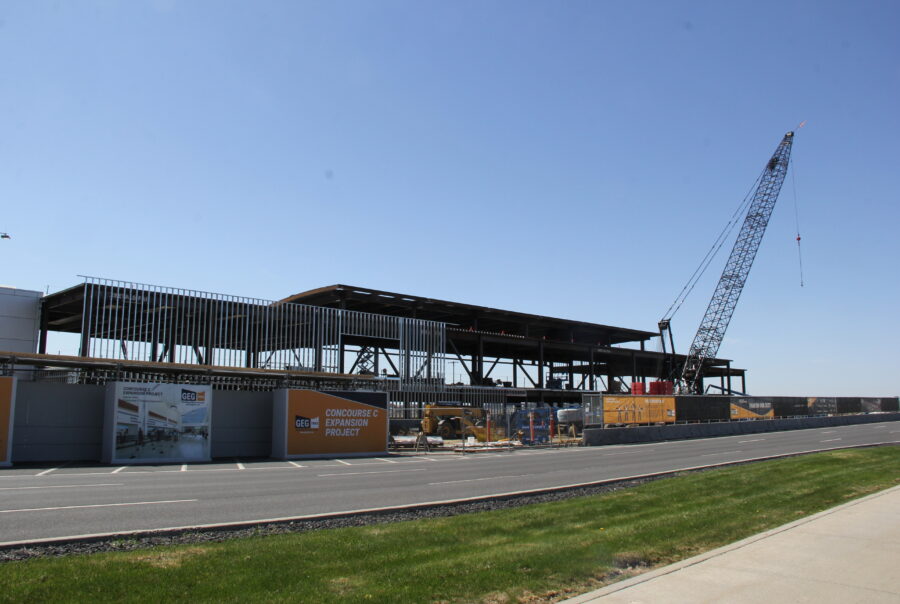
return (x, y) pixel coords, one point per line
(320, 423)
(6, 418)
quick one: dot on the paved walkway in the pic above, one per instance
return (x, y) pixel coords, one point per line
(850, 553)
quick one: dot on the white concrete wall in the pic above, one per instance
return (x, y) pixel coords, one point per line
(20, 312)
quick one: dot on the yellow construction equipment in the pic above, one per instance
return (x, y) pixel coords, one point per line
(458, 422)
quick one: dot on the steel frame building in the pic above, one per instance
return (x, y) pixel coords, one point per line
(554, 359)
(350, 334)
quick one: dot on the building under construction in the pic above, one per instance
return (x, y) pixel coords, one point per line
(343, 334)
(354, 339)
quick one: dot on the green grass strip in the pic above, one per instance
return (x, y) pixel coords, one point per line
(532, 553)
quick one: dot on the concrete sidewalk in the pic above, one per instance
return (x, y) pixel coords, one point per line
(850, 553)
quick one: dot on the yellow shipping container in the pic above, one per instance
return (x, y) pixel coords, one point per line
(627, 410)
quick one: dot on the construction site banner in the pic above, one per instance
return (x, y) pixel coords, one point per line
(157, 423)
(629, 410)
(309, 423)
(7, 411)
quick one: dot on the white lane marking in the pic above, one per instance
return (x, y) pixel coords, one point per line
(478, 479)
(117, 470)
(720, 453)
(829, 440)
(295, 464)
(877, 427)
(45, 472)
(427, 503)
(98, 505)
(152, 472)
(514, 454)
(380, 472)
(240, 466)
(183, 468)
(829, 431)
(385, 460)
(64, 486)
(755, 440)
(343, 462)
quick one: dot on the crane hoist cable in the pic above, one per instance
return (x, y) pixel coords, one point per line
(711, 254)
(797, 217)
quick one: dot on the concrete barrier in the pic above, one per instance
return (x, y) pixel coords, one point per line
(643, 434)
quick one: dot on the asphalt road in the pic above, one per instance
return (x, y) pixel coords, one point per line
(55, 502)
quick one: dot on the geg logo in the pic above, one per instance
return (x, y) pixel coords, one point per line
(188, 396)
(306, 423)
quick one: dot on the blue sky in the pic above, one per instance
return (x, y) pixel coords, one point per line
(573, 159)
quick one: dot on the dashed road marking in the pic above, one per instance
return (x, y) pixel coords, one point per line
(183, 468)
(829, 440)
(386, 460)
(755, 440)
(98, 505)
(295, 464)
(45, 472)
(240, 466)
(343, 462)
(720, 453)
(117, 470)
(478, 479)
(63, 486)
(379, 472)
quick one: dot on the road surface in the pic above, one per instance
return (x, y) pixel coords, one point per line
(47, 502)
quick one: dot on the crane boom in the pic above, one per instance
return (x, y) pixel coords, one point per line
(721, 307)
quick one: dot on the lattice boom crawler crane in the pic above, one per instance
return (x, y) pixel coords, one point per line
(721, 307)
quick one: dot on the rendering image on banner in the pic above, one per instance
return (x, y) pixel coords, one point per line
(161, 422)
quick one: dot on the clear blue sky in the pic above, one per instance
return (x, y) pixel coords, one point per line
(573, 159)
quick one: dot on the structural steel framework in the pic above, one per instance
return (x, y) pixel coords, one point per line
(342, 334)
(134, 321)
